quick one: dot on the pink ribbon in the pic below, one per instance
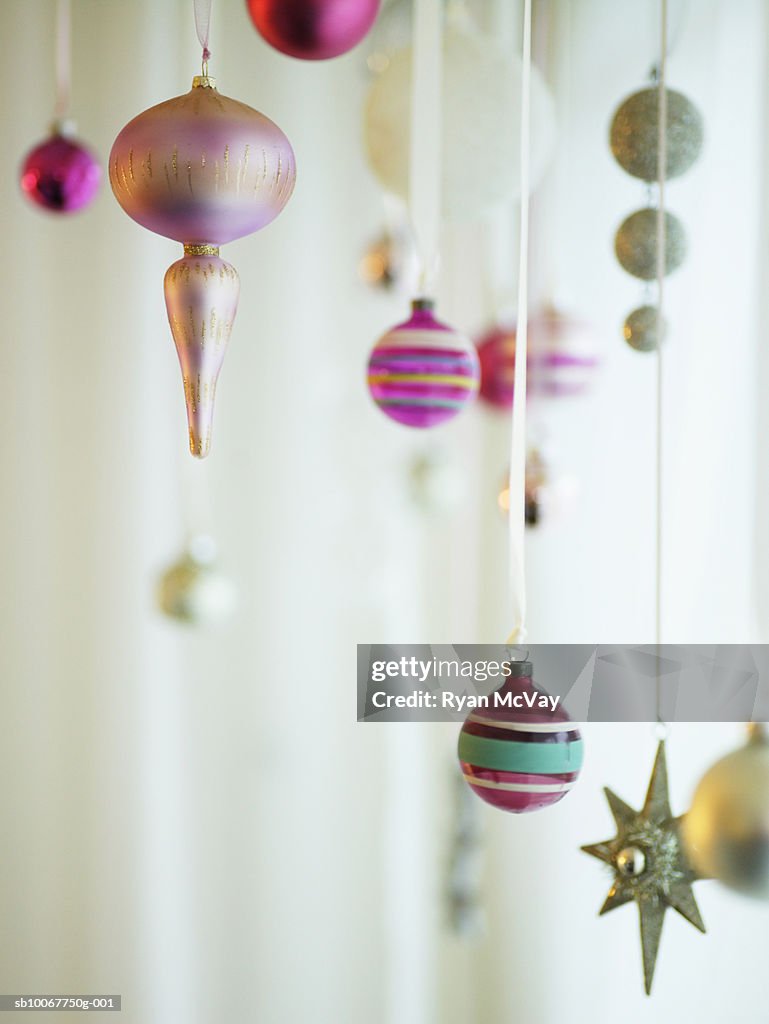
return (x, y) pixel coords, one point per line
(203, 25)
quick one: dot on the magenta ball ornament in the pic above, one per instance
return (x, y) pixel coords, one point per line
(313, 29)
(422, 372)
(61, 174)
(204, 170)
(519, 759)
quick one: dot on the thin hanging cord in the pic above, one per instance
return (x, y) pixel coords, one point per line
(203, 28)
(63, 59)
(426, 139)
(662, 121)
(517, 516)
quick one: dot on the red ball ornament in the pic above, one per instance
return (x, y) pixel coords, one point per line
(313, 29)
(496, 354)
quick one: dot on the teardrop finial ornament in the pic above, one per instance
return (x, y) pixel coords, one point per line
(202, 169)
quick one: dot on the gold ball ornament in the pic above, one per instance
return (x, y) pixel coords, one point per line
(644, 329)
(634, 134)
(635, 244)
(726, 832)
(193, 590)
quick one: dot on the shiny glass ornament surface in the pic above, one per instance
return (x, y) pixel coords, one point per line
(202, 168)
(480, 128)
(422, 372)
(61, 174)
(193, 590)
(631, 861)
(201, 292)
(519, 760)
(634, 134)
(727, 828)
(313, 29)
(635, 244)
(642, 329)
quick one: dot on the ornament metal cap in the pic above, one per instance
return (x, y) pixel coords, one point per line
(203, 82)
(520, 669)
(422, 304)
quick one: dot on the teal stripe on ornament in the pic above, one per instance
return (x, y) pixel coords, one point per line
(509, 756)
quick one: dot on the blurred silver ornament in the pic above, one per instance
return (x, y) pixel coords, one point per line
(726, 832)
(635, 244)
(193, 590)
(644, 328)
(634, 134)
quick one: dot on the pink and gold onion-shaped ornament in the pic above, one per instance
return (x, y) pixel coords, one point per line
(204, 170)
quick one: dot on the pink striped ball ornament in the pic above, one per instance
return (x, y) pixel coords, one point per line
(422, 372)
(519, 759)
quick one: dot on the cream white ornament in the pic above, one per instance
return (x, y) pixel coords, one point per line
(481, 124)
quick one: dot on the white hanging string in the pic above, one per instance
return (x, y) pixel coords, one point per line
(517, 516)
(203, 28)
(63, 59)
(662, 121)
(426, 139)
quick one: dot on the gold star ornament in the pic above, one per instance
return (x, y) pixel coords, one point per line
(649, 864)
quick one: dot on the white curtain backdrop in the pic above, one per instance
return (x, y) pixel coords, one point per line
(195, 820)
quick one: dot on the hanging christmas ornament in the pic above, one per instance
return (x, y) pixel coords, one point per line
(520, 760)
(422, 372)
(649, 864)
(496, 357)
(727, 829)
(193, 590)
(313, 29)
(635, 244)
(204, 170)
(647, 150)
(562, 355)
(547, 494)
(61, 174)
(644, 329)
(481, 115)
(634, 134)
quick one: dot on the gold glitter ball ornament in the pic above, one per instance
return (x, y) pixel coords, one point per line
(635, 244)
(634, 134)
(644, 329)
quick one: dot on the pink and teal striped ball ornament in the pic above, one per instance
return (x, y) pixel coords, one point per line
(422, 372)
(520, 759)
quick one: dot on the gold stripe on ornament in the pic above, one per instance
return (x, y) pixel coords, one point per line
(201, 250)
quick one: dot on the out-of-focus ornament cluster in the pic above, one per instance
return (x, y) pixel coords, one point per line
(202, 169)
(561, 358)
(634, 140)
(520, 759)
(422, 372)
(481, 115)
(727, 828)
(548, 493)
(313, 29)
(193, 590)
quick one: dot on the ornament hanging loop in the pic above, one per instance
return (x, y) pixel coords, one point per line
(202, 9)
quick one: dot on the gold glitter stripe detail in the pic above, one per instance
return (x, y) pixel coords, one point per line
(201, 250)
